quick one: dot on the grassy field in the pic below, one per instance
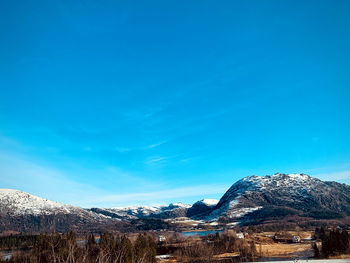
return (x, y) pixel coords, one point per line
(285, 250)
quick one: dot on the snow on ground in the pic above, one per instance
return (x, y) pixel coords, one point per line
(163, 257)
(143, 210)
(180, 205)
(239, 212)
(136, 210)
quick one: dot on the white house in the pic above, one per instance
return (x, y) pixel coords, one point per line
(240, 235)
(296, 239)
(161, 238)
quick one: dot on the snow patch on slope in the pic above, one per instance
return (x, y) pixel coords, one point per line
(209, 202)
(291, 186)
(19, 203)
(133, 212)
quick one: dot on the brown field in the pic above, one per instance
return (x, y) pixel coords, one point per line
(227, 255)
(283, 250)
(343, 256)
(302, 234)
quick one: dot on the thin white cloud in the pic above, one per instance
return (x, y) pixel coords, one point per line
(141, 148)
(334, 176)
(26, 175)
(151, 146)
(156, 160)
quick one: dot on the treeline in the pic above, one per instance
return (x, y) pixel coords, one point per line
(292, 225)
(17, 242)
(334, 242)
(110, 249)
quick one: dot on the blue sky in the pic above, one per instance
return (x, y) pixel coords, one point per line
(108, 103)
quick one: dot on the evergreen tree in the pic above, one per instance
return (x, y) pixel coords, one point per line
(316, 250)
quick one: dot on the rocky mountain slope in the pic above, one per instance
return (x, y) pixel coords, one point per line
(201, 207)
(14, 202)
(173, 210)
(23, 212)
(133, 212)
(254, 198)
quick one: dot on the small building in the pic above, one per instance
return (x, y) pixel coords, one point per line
(240, 235)
(296, 239)
(161, 238)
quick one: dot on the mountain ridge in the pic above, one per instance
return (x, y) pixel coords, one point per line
(307, 196)
(250, 200)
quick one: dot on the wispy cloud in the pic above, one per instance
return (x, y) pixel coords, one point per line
(141, 148)
(338, 172)
(26, 175)
(189, 159)
(156, 160)
(154, 145)
(334, 176)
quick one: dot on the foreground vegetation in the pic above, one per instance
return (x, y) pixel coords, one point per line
(122, 249)
(144, 247)
(333, 243)
(65, 248)
(214, 247)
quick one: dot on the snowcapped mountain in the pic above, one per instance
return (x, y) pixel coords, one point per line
(251, 200)
(281, 195)
(16, 202)
(132, 212)
(23, 212)
(136, 211)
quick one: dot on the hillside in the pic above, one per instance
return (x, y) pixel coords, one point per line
(256, 199)
(23, 212)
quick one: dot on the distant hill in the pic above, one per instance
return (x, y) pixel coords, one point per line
(133, 212)
(253, 200)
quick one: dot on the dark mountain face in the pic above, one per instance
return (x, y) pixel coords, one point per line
(23, 212)
(282, 195)
(201, 207)
(52, 223)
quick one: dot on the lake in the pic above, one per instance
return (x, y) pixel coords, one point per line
(200, 233)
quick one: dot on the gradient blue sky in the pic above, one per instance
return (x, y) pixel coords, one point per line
(108, 103)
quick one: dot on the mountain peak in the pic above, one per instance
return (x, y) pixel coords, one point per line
(179, 204)
(300, 176)
(297, 191)
(209, 202)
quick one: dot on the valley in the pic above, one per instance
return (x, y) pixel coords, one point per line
(277, 217)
